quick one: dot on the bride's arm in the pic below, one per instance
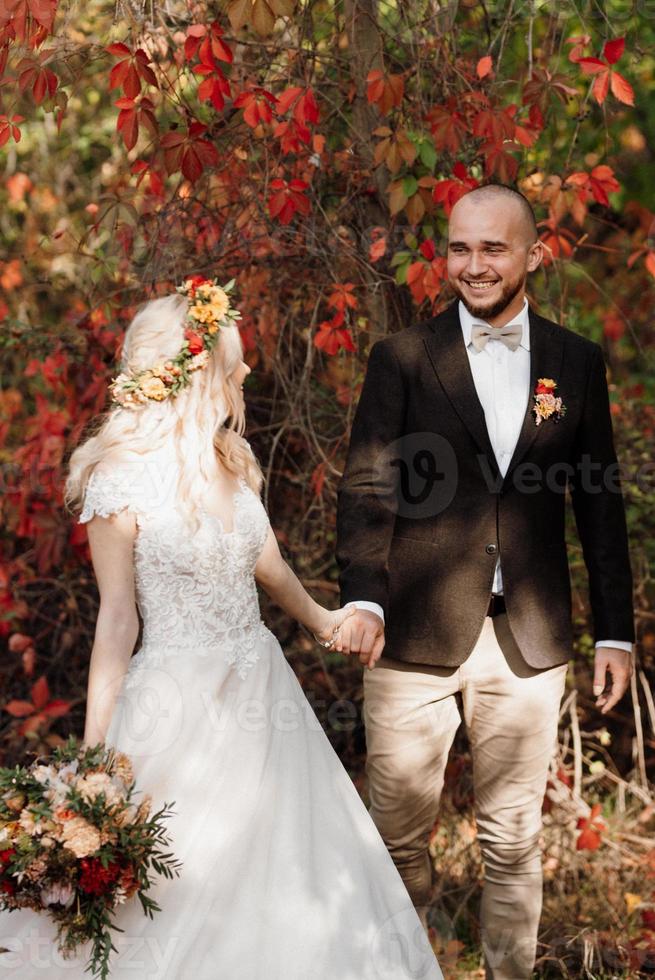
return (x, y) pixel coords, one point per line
(111, 540)
(281, 584)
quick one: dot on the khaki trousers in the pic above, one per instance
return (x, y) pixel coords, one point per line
(511, 712)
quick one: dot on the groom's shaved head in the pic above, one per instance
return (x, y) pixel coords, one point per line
(502, 194)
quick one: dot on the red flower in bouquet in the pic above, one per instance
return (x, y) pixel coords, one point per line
(96, 879)
(7, 886)
(195, 341)
(193, 282)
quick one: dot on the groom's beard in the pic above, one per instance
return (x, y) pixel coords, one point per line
(490, 310)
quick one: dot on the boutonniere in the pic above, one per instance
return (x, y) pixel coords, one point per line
(546, 403)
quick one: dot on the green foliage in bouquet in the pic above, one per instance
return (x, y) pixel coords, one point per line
(75, 845)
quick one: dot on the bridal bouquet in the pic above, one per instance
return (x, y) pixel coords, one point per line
(75, 845)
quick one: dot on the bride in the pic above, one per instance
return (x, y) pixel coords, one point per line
(284, 875)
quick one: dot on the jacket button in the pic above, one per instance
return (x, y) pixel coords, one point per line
(491, 549)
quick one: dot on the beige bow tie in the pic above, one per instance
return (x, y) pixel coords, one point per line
(510, 335)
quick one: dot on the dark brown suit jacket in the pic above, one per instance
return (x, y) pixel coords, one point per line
(423, 511)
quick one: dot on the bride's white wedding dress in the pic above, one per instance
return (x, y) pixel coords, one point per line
(284, 875)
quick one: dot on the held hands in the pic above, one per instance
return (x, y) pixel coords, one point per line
(359, 631)
(619, 664)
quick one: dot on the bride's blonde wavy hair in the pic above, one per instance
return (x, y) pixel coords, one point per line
(204, 422)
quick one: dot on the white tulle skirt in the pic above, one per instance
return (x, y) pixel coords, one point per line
(284, 875)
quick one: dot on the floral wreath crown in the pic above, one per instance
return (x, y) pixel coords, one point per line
(209, 310)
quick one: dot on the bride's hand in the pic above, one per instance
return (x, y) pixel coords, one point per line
(327, 635)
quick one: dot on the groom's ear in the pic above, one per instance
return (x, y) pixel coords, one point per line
(535, 255)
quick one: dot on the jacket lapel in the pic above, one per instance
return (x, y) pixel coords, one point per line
(546, 352)
(447, 354)
(445, 348)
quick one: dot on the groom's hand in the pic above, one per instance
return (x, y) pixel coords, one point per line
(619, 664)
(362, 633)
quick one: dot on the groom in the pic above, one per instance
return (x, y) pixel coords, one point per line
(450, 524)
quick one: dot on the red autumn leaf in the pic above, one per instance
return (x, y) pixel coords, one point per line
(613, 326)
(19, 709)
(428, 250)
(190, 151)
(28, 660)
(613, 50)
(542, 85)
(124, 75)
(493, 125)
(498, 160)
(588, 840)
(385, 91)
(564, 776)
(257, 105)
(40, 692)
(342, 297)
(557, 241)
(484, 66)
(40, 709)
(127, 125)
(448, 192)
(595, 185)
(590, 829)
(29, 20)
(332, 336)
(528, 132)
(131, 115)
(606, 78)
(447, 126)
(426, 279)
(128, 73)
(592, 66)
(57, 708)
(287, 98)
(650, 263)
(118, 48)
(317, 479)
(600, 88)
(214, 40)
(34, 75)
(579, 43)
(305, 109)
(291, 135)
(213, 89)
(19, 642)
(155, 179)
(195, 32)
(621, 89)
(378, 245)
(9, 128)
(216, 85)
(287, 199)
(603, 181)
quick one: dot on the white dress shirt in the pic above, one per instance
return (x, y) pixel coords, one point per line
(502, 383)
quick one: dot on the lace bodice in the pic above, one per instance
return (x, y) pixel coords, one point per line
(195, 591)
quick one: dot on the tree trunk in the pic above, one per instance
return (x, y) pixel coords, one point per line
(388, 310)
